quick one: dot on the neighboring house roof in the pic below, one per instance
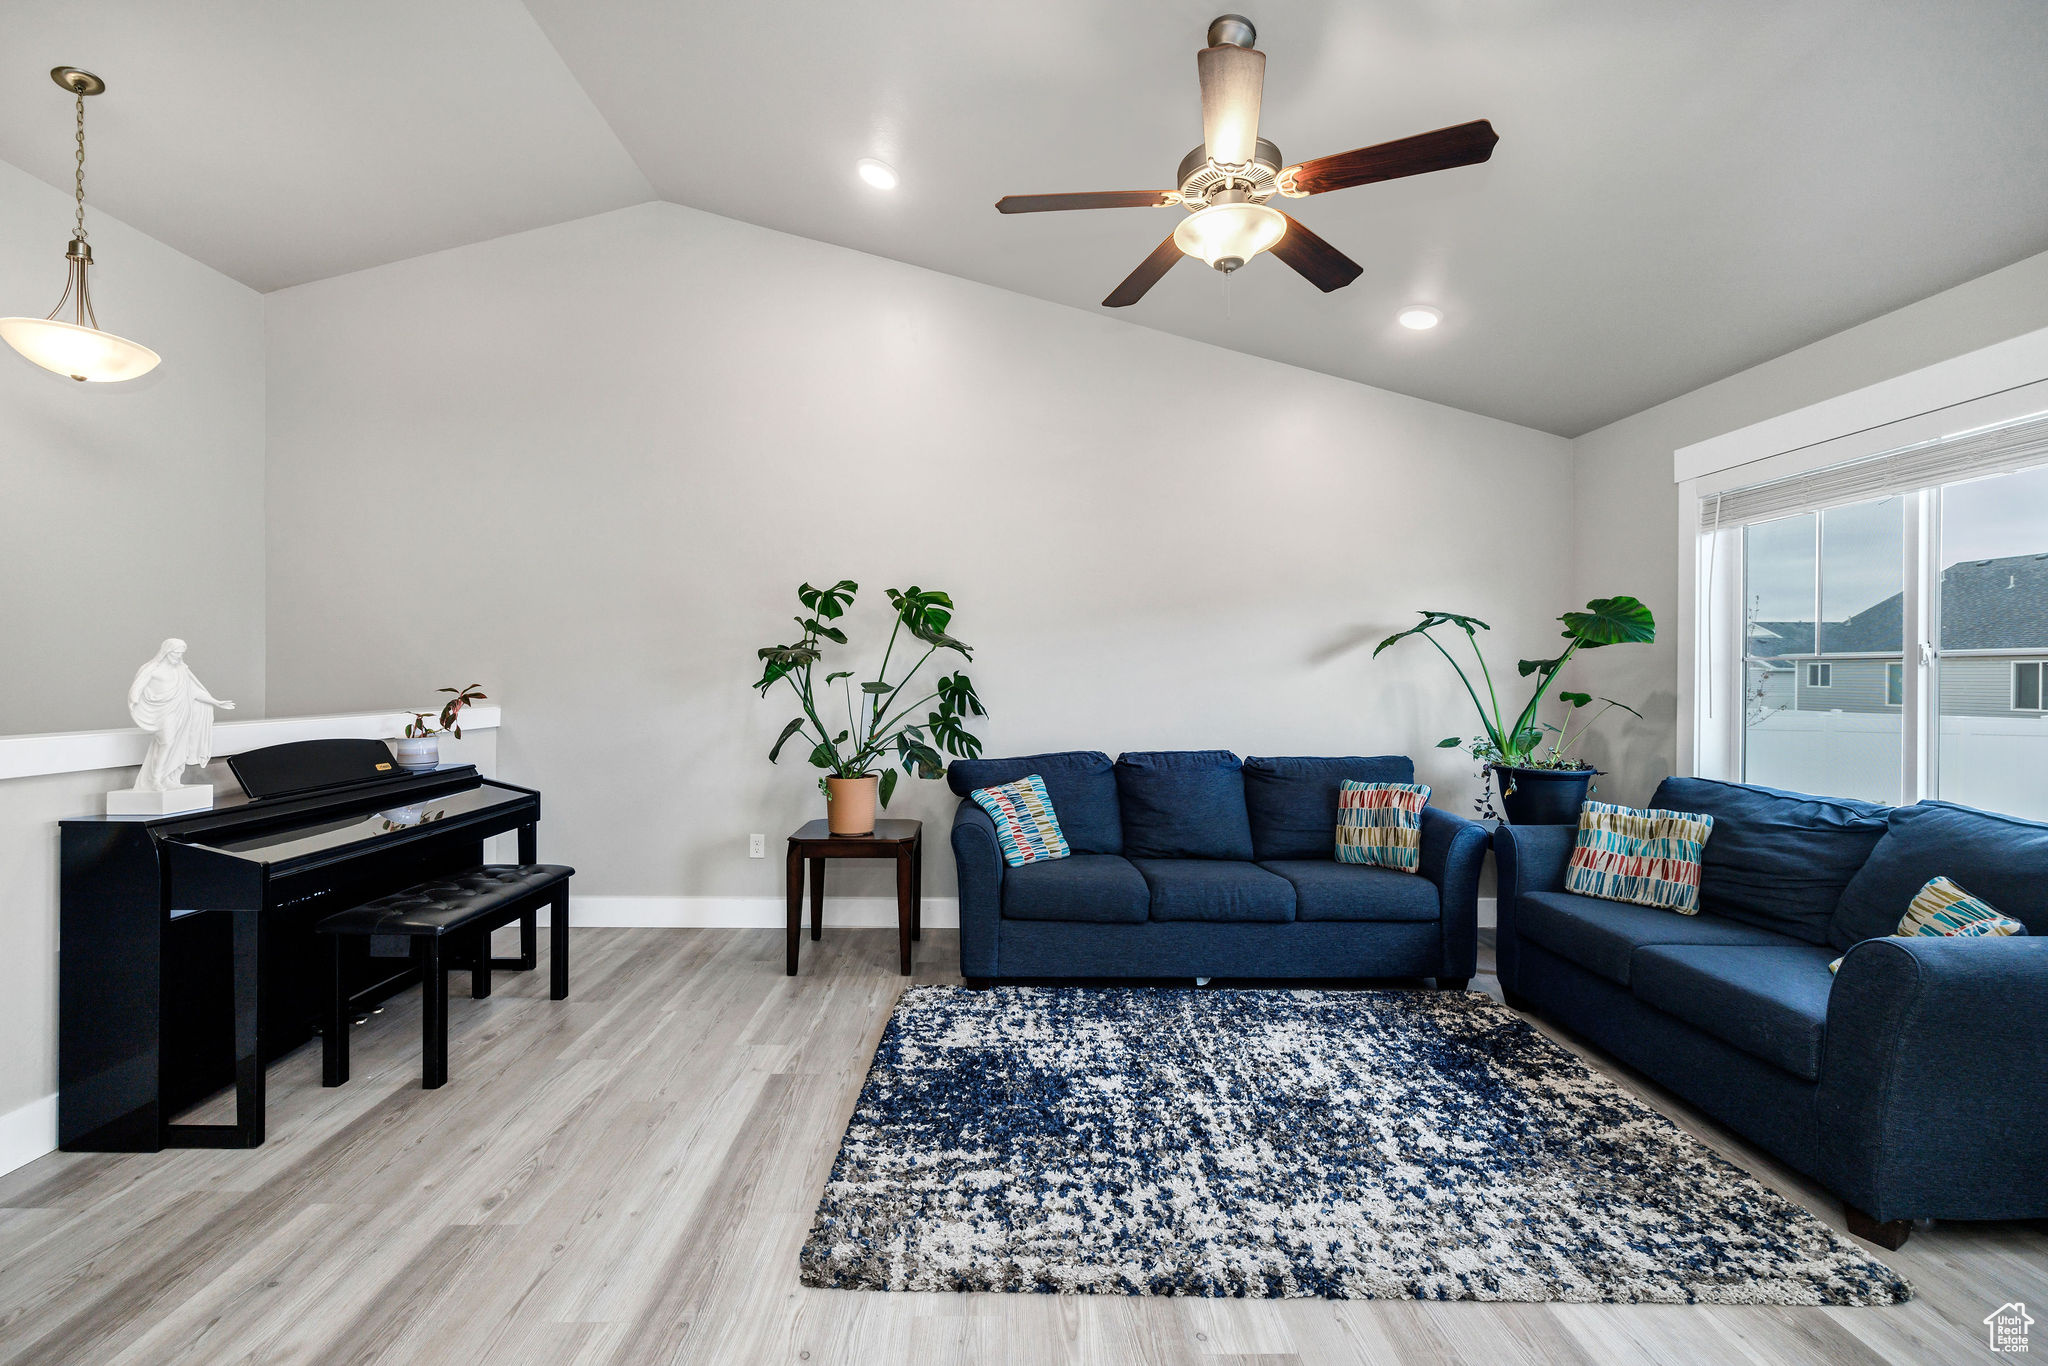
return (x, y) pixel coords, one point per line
(1997, 604)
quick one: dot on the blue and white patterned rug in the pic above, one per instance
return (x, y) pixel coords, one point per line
(1347, 1144)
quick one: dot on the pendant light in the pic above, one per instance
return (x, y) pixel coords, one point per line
(76, 346)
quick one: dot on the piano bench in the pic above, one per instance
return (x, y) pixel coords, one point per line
(470, 904)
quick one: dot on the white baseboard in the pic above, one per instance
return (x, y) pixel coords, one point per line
(27, 1132)
(769, 912)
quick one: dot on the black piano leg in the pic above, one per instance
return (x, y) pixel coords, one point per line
(334, 1037)
(248, 1047)
(480, 967)
(558, 945)
(247, 1130)
(433, 1016)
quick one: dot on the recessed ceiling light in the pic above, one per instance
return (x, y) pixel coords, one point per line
(876, 173)
(1420, 317)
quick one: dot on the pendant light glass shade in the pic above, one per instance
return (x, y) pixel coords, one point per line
(77, 347)
(84, 353)
(1226, 236)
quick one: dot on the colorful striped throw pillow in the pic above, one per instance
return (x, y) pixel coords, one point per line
(1381, 824)
(1651, 858)
(1943, 909)
(1026, 827)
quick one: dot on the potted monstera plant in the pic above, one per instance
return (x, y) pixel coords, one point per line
(887, 721)
(1542, 779)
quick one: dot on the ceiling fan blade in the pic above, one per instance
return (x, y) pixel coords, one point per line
(1465, 144)
(1233, 80)
(1315, 260)
(1100, 199)
(1149, 272)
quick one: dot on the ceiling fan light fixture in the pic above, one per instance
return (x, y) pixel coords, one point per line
(1225, 236)
(877, 173)
(77, 347)
(1418, 317)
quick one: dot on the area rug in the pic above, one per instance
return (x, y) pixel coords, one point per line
(1344, 1144)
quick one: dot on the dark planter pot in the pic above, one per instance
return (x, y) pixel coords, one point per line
(1543, 796)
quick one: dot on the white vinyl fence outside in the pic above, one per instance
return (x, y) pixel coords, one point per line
(1998, 763)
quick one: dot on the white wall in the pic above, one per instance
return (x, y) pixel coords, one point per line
(1625, 514)
(131, 511)
(588, 465)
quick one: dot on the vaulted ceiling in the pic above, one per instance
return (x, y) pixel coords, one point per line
(1682, 189)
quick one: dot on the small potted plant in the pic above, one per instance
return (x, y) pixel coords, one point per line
(883, 724)
(419, 749)
(1539, 784)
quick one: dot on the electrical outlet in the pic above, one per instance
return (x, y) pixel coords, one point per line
(757, 846)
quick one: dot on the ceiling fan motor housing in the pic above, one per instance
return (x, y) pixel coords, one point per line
(1200, 178)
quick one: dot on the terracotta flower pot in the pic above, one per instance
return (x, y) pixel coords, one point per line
(850, 805)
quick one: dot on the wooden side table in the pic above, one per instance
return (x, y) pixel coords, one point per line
(899, 840)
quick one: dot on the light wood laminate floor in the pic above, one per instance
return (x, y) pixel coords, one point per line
(627, 1177)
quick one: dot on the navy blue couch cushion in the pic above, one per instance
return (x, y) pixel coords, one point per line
(1184, 803)
(1603, 936)
(1292, 802)
(1103, 888)
(1999, 859)
(1770, 1002)
(1776, 859)
(1327, 890)
(1215, 889)
(1081, 784)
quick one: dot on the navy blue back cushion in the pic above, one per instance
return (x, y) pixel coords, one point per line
(1184, 803)
(1292, 802)
(1081, 784)
(2001, 860)
(1777, 860)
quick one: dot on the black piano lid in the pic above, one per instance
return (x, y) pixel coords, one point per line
(311, 766)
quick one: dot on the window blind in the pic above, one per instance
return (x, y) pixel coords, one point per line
(1973, 455)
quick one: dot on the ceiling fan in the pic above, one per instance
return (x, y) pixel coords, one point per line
(1225, 183)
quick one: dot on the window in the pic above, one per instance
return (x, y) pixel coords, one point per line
(1893, 649)
(1826, 584)
(1992, 746)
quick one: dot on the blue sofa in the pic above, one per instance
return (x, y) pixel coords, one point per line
(1192, 863)
(1914, 1084)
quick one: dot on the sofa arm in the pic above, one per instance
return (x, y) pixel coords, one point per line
(1526, 858)
(978, 859)
(1453, 850)
(1934, 1079)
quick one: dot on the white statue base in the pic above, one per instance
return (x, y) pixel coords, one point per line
(169, 802)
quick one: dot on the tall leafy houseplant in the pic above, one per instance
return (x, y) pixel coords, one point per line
(1514, 747)
(883, 720)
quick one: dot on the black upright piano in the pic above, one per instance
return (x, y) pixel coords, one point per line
(187, 959)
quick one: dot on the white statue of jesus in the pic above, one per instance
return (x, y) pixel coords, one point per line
(177, 710)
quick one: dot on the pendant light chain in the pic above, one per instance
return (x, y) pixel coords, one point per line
(80, 234)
